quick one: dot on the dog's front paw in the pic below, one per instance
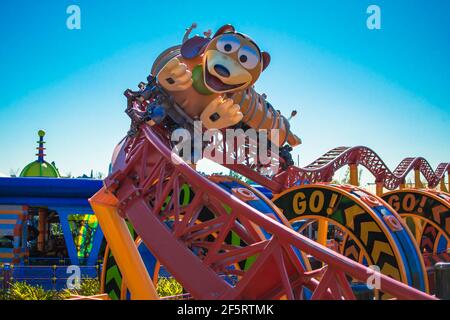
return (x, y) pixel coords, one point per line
(175, 76)
(221, 113)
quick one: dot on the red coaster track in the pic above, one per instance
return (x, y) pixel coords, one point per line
(146, 182)
(323, 169)
(196, 254)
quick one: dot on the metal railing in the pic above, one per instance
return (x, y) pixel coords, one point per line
(44, 261)
(50, 277)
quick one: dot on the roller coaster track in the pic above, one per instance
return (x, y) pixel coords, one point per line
(323, 169)
(196, 255)
(144, 187)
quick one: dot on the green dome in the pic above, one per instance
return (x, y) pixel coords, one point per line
(40, 169)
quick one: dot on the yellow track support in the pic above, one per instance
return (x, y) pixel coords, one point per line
(354, 174)
(322, 232)
(417, 183)
(122, 246)
(380, 188)
(442, 186)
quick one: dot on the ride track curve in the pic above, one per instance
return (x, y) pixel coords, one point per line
(323, 169)
(146, 175)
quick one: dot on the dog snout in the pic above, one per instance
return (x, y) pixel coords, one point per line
(222, 70)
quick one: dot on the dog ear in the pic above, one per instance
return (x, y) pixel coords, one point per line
(224, 29)
(193, 47)
(265, 60)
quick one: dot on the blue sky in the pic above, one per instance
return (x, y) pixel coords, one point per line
(387, 89)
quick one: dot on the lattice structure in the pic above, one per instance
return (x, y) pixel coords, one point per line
(323, 169)
(196, 253)
(190, 240)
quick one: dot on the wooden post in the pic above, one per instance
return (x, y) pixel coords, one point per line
(354, 174)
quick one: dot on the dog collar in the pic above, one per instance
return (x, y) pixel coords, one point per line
(198, 81)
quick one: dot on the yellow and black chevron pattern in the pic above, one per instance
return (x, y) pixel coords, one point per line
(349, 213)
(351, 249)
(111, 281)
(429, 237)
(430, 206)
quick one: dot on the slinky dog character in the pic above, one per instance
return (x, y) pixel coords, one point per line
(212, 79)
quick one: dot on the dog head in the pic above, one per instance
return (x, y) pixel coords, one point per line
(231, 60)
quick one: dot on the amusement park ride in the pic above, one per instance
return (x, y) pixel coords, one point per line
(46, 223)
(224, 239)
(289, 234)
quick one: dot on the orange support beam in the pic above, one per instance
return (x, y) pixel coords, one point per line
(322, 232)
(418, 229)
(442, 185)
(123, 247)
(417, 183)
(354, 174)
(380, 188)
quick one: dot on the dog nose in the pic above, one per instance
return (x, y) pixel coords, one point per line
(221, 70)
